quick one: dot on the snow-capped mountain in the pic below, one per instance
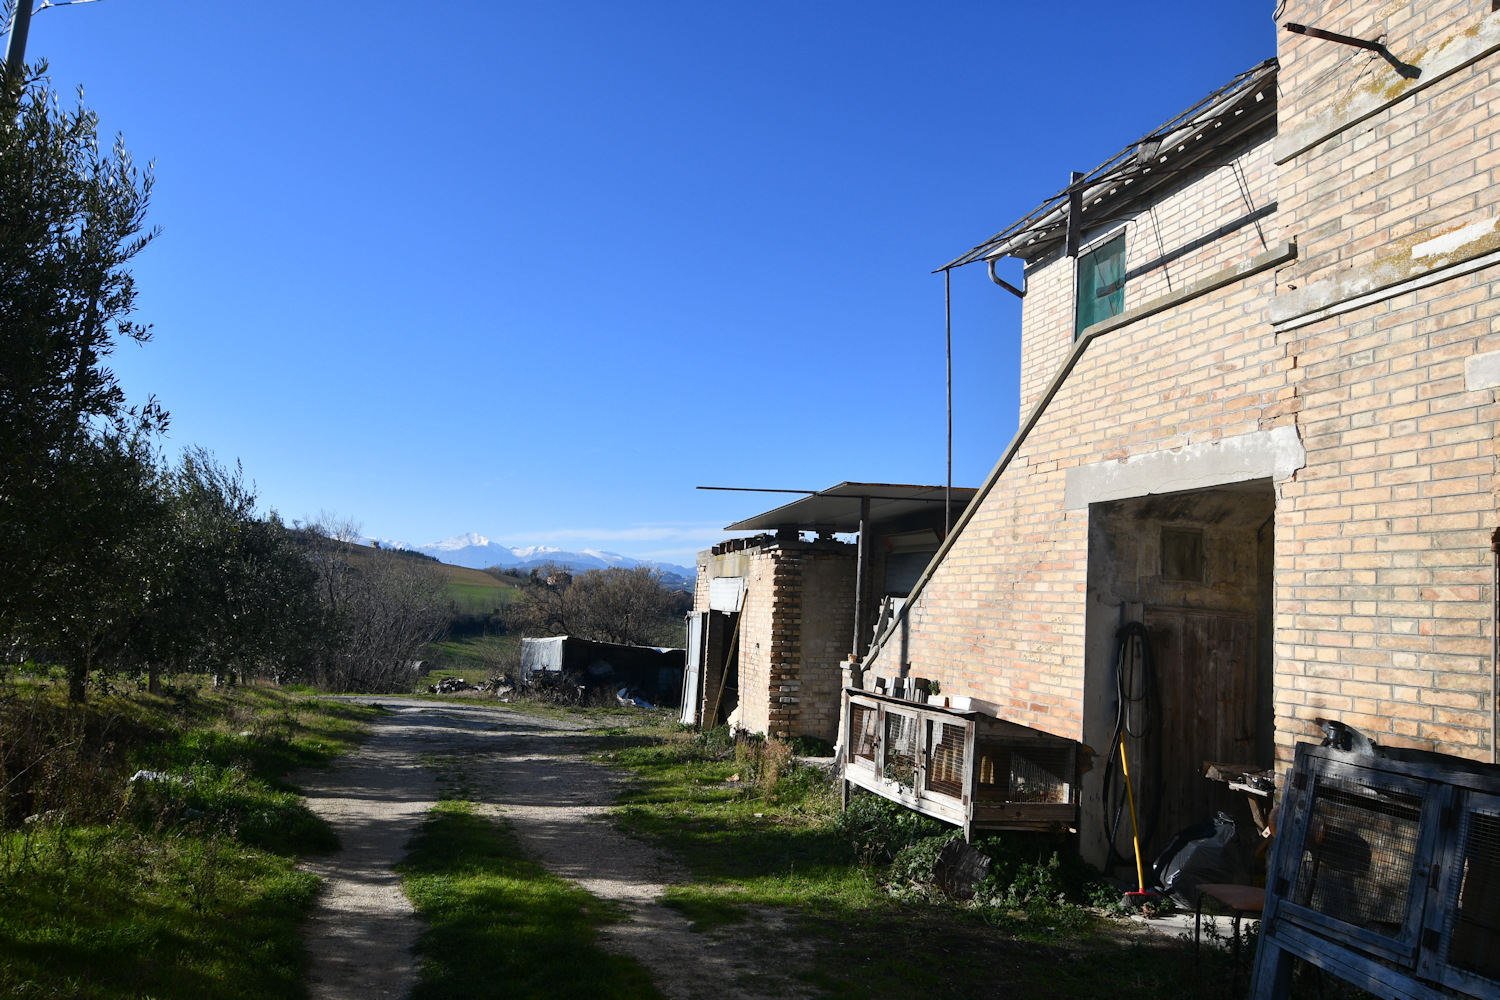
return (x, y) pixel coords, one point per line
(477, 552)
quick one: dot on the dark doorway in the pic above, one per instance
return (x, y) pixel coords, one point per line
(1193, 570)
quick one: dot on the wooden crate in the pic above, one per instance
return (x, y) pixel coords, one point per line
(1387, 874)
(963, 767)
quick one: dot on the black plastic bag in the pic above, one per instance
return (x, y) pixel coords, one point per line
(1208, 853)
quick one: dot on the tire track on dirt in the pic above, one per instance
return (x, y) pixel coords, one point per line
(535, 773)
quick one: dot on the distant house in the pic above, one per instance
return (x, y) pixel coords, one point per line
(1260, 350)
(776, 615)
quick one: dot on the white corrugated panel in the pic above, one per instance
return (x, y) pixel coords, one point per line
(693, 668)
(726, 593)
(542, 654)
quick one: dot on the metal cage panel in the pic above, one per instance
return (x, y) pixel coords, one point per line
(1386, 874)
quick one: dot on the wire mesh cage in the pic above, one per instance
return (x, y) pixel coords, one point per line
(1358, 858)
(965, 767)
(1474, 899)
(1386, 873)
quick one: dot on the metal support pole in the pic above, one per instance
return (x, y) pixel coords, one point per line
(861, 570)
(15, 48)
(948, 489)
(1075, 214)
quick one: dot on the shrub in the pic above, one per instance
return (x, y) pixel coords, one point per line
(879, 829)
(1035, 869)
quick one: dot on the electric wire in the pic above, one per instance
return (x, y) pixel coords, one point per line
(1137, 716)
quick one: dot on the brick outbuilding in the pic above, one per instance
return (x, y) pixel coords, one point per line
(776, 615)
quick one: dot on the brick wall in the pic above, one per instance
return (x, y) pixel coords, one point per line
(1160, 253)
(1423, 166)
(827, 633)
(1383, 569)
(795, 628)
(1003, 615)
(762, 641)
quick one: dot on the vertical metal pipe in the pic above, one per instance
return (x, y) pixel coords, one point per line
(1495, 648)
(861, 570)
(15, 48)
(948, 490)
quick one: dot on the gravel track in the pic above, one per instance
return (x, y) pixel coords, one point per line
(535, 773)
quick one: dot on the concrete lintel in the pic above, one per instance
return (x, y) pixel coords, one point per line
(1427, 255)
(1450, 56)
(1482, 371)
(1273, 454)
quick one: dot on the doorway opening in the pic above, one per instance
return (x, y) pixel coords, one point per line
(1191, 573)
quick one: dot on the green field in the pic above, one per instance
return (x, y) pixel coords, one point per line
(476, 591)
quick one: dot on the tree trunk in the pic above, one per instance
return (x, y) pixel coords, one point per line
(78, 677)
(153, 680)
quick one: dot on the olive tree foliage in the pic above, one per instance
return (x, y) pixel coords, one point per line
(234, 594)
(630, 606)
(382, 609)
(77, 467)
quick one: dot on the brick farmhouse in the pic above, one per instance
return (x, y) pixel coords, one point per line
(1259, 359)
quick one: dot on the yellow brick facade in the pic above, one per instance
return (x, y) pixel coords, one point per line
(1358, 344)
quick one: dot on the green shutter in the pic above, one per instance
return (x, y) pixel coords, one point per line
(1101, 284)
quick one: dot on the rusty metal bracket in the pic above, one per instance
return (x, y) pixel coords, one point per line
(1405, 69)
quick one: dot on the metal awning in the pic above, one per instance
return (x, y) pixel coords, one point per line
(837, 508)
(1121, 185)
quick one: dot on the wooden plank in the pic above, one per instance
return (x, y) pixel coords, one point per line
(1482, 778)
(1365, 973)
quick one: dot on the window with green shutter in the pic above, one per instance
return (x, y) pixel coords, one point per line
(1101, 284)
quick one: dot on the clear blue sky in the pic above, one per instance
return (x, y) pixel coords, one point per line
(538, 270)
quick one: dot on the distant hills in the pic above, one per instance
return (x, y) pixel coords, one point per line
(477, 552)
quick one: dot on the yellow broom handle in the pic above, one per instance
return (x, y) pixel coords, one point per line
(1135, 833)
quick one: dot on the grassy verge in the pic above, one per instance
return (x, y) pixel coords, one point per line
(758, 830)
(179, 884)
(499, 925)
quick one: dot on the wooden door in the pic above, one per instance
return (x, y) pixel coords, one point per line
(1205, 677)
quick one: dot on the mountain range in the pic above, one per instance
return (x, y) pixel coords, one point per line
(477, 552)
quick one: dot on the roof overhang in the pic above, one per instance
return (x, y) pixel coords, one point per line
(1125, 183)
(837, 508)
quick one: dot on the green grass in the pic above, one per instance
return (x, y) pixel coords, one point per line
(499, 925)
(846, 881)
(185, 887)
(109, 912)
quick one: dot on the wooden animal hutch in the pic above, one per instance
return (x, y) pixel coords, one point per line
(1387, 874)
(959, 765)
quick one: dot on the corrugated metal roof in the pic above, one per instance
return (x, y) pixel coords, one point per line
(837, 508)
(1119, 185)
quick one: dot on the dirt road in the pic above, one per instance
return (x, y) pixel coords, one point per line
(535, 774)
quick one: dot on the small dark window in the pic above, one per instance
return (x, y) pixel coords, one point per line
(1101, 284)
(1182, 555)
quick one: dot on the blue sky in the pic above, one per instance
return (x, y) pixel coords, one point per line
(538, 270)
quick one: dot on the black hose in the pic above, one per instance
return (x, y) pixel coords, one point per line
(1137, 707)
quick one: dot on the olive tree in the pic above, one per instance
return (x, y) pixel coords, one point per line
(76, 463)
